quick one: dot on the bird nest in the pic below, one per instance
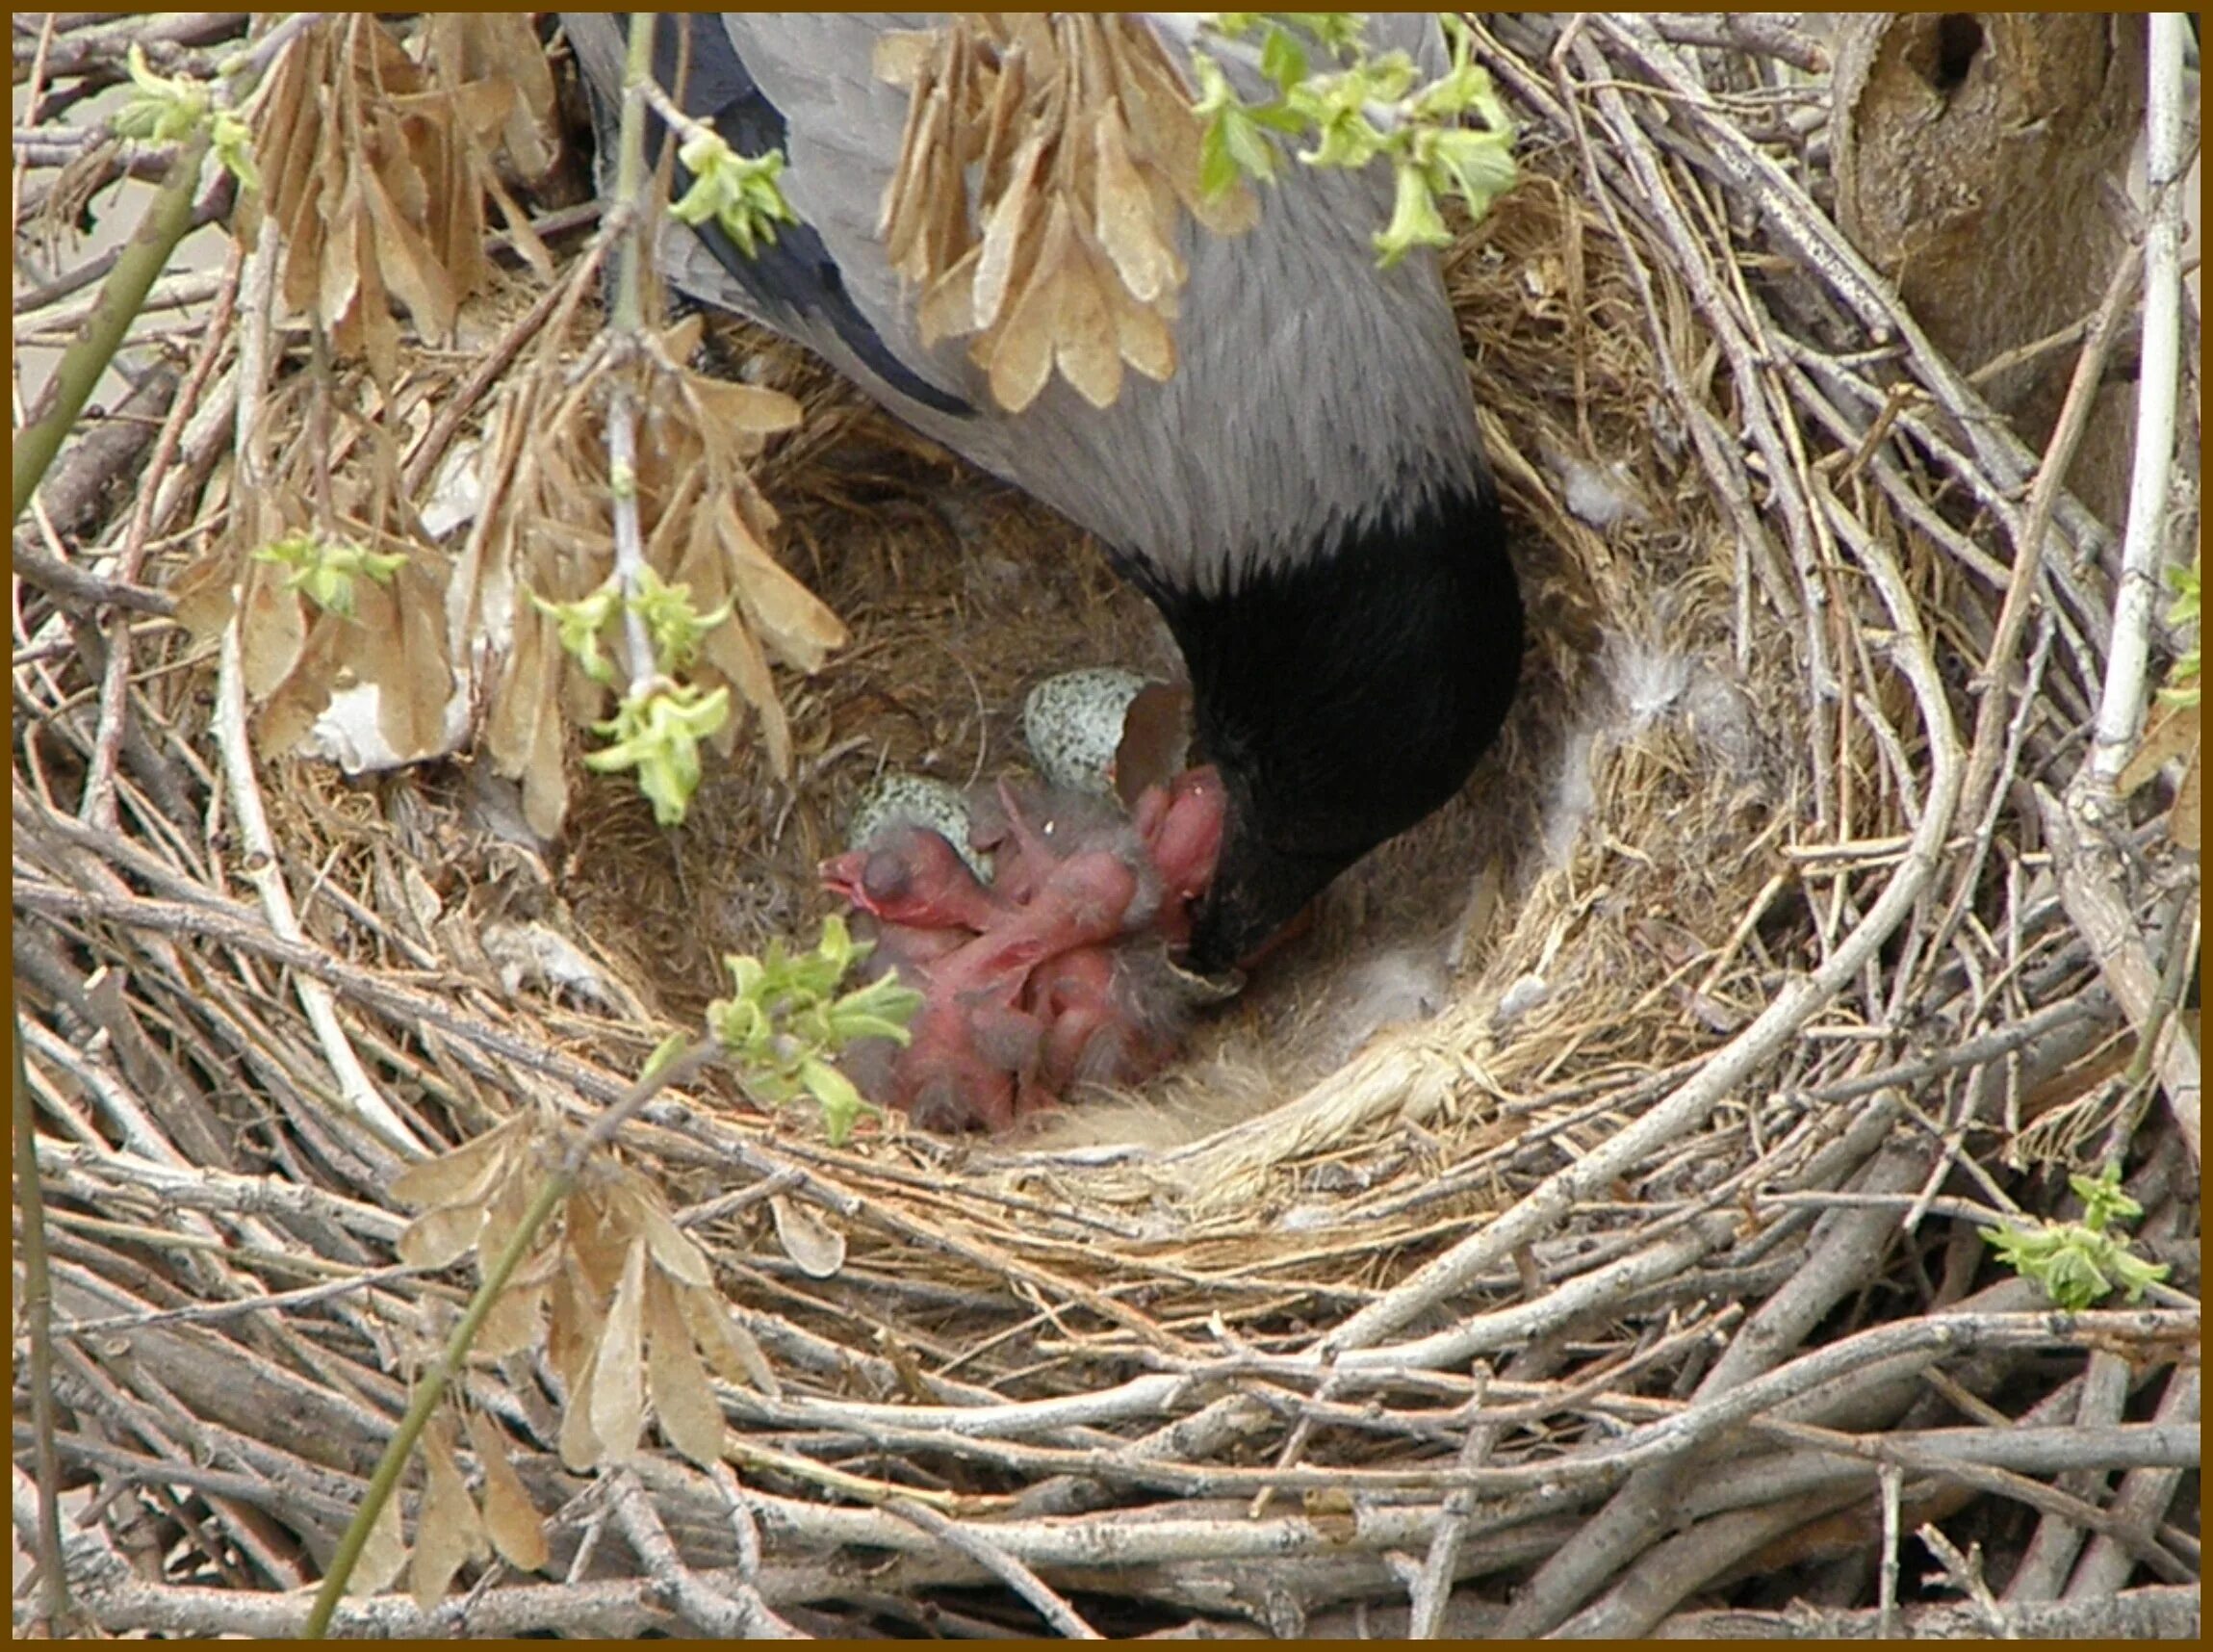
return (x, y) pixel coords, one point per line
(1583, 1226)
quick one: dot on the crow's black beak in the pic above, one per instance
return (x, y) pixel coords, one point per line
(1257, 890)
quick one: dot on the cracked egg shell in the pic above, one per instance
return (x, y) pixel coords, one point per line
(1074, 726)
(914, 799)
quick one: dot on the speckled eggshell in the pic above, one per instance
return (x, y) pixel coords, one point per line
(914, 799)
(1074, 724)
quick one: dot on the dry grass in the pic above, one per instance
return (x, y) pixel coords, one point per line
(1610, 1162)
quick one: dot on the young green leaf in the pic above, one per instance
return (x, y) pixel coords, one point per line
(785, 1024)
(842, 1104)
(1282, 59)
(1478, 167)
(2103, 1201)
(2182, 679)
(324, 571)
(1235, 144)
(579, 624)
(1415, 221)
(2077, 1264)
(739, 192)
(232, 140)
(1374, 107)
(162, 108)
(882, 1009)
(676, 628)
(658, 733)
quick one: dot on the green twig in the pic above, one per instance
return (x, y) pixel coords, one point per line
(432, 1387)
(630, 177)
(627, 323)
(2173, 977)
(168, 216)
(38, 1312)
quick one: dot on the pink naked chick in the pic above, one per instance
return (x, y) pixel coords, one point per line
(1053, 975)
(908, 874)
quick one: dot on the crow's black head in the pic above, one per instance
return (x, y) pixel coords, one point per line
(1344, 697)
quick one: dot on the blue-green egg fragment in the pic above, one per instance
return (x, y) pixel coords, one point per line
(893, 799)
(1074, 724)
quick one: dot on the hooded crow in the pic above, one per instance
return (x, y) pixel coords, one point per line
(1305, 499)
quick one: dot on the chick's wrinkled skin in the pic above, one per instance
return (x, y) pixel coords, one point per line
(908, 874)
(1055, 974)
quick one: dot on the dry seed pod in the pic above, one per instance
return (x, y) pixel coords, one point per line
(1085, 154)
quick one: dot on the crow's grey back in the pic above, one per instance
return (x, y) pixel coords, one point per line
(1314, 393)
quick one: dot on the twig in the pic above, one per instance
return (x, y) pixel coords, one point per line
(264, 867)
(84, 481)
(2050, 1554)
(430, 1389)
(1891, 1479)
(636, 218)
(85, 1168)
(73, 584)
(1796, 1004)
(1558, 1308)
(33, 91)
(1813, 238)
(1915, 1341)
(213, 1313)
(37, 1310)
(736, 1613)
(215, 205)
(2156, 1613)
(1989, 1046)
(2089, 884)
(1113, 1539)
(249, 62)
(1678, 1565)
(1002, 1565)
(2036, 349)
(743, 1527)
(458, 406)
(99, 51)
(1838, 1263)
(2008, 1458)
(1767, 36)
(1978, 800)
(1703, 429)
(1432, 1588)
(2142, 543)
(622, 1609)
(483, 1044)
(2080, 620)
(302, 1503)
(1963, 1573)
(2174, 976)
(1675, 1568)
(98, 806)
(2142, 1500)
(168, 215)
(1706, 291)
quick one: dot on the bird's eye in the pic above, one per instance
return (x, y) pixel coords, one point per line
(886, 876)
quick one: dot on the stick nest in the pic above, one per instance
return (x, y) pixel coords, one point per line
(1758, 969)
